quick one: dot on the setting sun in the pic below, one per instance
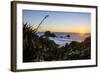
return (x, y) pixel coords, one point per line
(82, 31)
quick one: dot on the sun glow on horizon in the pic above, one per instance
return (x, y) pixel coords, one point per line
(83, 31)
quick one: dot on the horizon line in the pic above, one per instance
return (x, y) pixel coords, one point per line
(63, 32)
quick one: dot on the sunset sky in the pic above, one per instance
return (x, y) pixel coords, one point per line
(59, 21)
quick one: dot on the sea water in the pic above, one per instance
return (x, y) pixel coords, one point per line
(62, 37)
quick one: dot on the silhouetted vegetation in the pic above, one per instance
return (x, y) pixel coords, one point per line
(37, 49)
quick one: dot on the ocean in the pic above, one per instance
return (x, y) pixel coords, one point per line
(66, 37)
